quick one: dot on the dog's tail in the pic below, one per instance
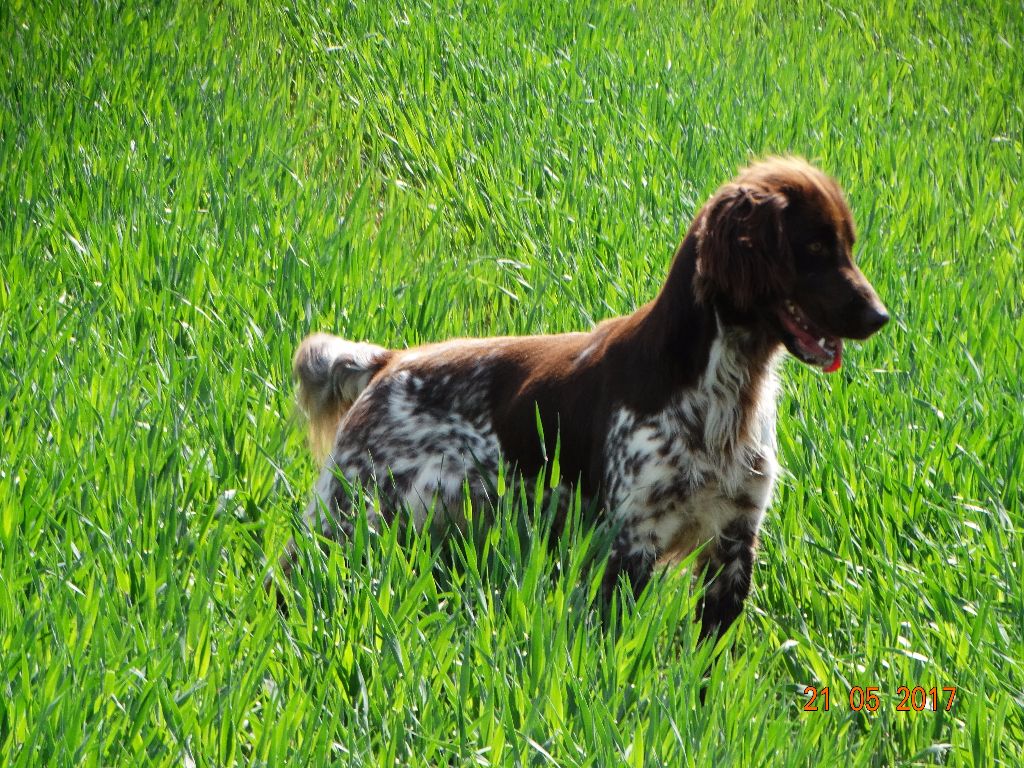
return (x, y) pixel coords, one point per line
(331, 372)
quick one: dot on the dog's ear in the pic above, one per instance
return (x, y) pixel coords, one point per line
(743, 252)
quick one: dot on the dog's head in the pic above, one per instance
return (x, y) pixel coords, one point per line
(775, 252)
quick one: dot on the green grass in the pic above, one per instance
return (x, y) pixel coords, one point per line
(185, 193)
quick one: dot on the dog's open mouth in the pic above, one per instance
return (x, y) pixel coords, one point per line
(808, 342)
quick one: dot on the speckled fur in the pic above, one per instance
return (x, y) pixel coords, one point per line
(416, 446)
(410, 445)
(685, 473)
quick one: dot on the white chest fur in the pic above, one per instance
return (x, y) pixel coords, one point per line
(679, 477)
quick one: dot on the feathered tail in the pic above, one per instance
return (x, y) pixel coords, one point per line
(331, 372)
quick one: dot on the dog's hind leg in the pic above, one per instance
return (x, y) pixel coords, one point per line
(329, 513)
(629, 563)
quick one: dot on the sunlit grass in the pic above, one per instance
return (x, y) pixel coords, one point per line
(187, 191)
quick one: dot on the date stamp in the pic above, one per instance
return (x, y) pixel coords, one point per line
(869, 698)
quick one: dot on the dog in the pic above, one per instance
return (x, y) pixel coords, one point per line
(665, 418)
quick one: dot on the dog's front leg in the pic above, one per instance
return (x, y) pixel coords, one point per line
(727, 575)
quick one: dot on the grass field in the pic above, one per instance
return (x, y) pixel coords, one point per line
(185, 191)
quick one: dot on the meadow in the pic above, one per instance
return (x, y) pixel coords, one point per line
(187, 189)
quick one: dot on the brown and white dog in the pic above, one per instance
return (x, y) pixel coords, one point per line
(665, 417)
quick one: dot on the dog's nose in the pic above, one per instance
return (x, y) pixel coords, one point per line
(874, 317)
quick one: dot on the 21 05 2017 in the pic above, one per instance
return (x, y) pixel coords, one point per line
(871, 698)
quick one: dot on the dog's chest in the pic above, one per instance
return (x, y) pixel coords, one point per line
(678, 477)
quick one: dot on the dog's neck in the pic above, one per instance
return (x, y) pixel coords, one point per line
(741, 388)
(678, 329)
(685, 345)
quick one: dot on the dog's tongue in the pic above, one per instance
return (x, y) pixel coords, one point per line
(825, 352)
(837, 361)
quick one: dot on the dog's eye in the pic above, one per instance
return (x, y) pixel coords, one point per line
(817, 248)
